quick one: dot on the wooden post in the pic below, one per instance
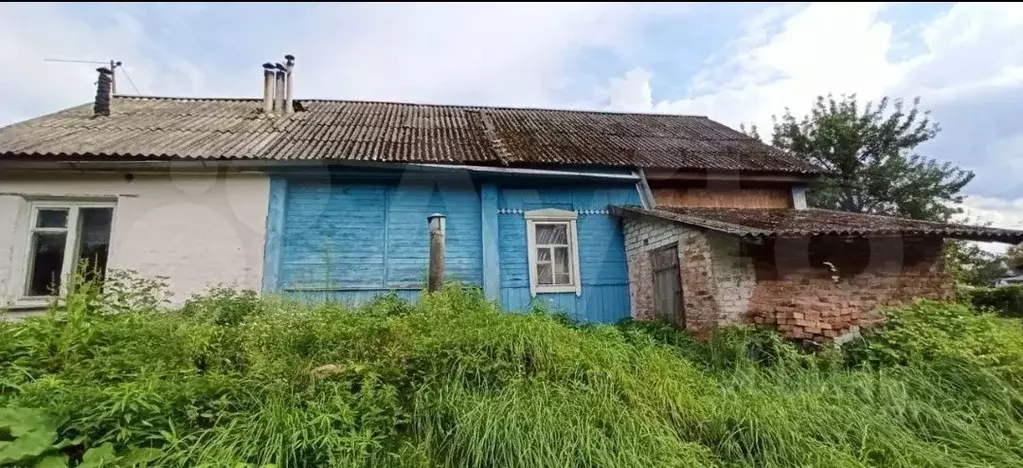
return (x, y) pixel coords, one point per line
(436, 281)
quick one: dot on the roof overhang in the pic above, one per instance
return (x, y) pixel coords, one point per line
(683, 175)
(760, 224)
(317, 167)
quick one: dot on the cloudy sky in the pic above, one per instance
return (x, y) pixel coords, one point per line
(738, 63)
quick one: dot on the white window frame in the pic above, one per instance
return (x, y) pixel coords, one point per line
(70, 240)
(553, 216)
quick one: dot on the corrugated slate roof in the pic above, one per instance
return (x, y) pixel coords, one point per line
(788, 222)
(178, 128)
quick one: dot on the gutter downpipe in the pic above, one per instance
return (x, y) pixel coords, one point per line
(645, 194)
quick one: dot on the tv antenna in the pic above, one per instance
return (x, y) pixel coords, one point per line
(113, 64)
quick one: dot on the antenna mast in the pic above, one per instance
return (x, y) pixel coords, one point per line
(113, 64)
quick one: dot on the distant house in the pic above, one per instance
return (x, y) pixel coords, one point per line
(1014, 277)
(601, 215)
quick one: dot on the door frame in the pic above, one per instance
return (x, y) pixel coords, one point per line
(679, 315)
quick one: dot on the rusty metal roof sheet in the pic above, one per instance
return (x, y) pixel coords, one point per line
(179, 128)
(788, 222)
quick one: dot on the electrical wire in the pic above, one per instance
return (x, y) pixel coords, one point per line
(130, 80)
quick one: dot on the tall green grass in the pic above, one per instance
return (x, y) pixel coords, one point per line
(232, 379)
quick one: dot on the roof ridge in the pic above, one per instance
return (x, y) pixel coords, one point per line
(928, 221)
(407, 103)
(827, 210)
(818, 222)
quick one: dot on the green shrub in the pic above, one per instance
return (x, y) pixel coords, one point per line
(232, 379)
(929, 332)
(1006, 301)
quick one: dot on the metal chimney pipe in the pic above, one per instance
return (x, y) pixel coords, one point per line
(279, 89)
(101, 106)
(268, 88)
(288, 97)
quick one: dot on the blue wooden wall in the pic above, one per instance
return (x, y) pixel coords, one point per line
(602, 263)
(352, 237)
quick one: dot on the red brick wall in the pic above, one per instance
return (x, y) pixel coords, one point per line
(784, 283)
(716, 282)
(641, 237)
(802, 297)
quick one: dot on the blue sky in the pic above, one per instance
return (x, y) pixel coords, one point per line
(736, 63)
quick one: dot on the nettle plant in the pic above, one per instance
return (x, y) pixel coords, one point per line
(29, 437)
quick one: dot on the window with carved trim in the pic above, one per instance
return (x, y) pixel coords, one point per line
(553, 251)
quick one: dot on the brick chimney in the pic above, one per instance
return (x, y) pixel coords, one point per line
(102, 104)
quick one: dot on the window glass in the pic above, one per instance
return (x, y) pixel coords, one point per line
(551, 234)
(52, 218)
(47, 257)
(94, 240)
(553, 254)
(543, 274)
(83, 229)
(552, 251)
(561, 268)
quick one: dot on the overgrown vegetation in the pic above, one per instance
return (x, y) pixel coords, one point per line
(235, 380)
(968, 264)
(1006, 301)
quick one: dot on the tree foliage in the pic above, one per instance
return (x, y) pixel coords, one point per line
(969, 264)
(869, 152)
(1014, 256)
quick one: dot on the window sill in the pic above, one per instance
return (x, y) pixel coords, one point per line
(555, 289)
(31, 303)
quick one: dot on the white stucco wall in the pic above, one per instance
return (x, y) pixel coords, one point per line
(196, 229)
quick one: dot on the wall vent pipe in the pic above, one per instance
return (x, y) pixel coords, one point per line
(268, 88)
(279, 86)
(289, 96)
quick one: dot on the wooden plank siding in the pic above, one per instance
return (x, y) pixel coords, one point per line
(359, 238)
(602, 264)
(357, 235)
(692, 197)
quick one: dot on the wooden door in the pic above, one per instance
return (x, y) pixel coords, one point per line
(667, 285)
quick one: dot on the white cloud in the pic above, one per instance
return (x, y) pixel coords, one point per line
(823, 48)
(843, 48)
(631, 91)
(33, 32)
(970, 73)
(996, 212)
(472, 53)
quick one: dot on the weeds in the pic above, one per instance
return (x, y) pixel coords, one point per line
(232, 379)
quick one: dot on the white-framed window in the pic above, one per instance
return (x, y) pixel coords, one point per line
(553, 251)
(62, 235)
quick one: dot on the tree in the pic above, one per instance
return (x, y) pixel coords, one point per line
(751, 131)
(1014, 256)
(869, 154)
(967, 263)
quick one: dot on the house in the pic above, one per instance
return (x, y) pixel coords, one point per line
(1014, 277)
(602, 215)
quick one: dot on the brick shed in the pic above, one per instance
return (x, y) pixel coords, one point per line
(813, 274)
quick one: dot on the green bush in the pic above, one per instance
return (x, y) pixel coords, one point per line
(929, 332)
(1006, 301)
(232, 379)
